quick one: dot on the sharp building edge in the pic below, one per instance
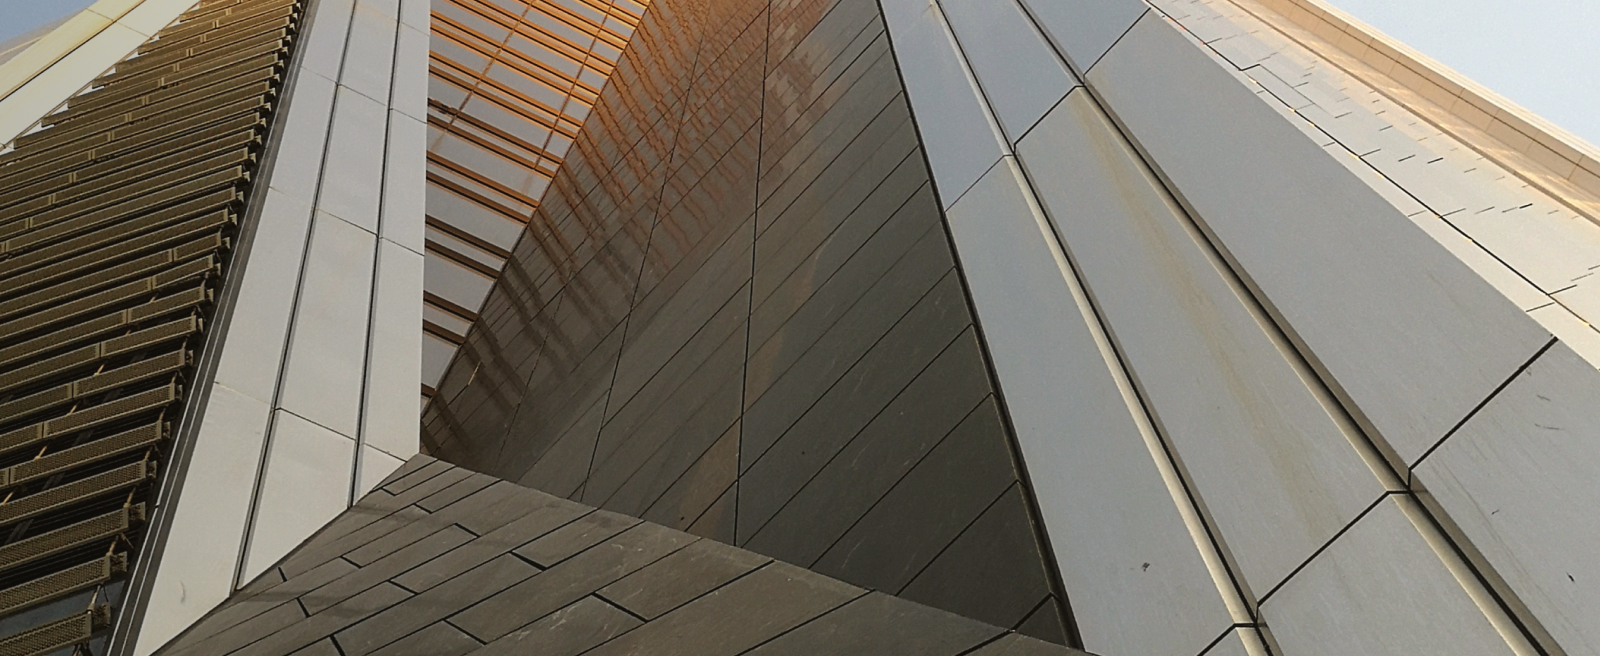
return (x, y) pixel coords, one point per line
(967, 327)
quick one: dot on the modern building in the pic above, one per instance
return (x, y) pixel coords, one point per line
(988, 327)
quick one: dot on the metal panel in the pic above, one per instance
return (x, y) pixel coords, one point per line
(1129, 551)
(1238, 642)
(404, 182)
(409, 94)
(1083, 30)
(327, 346)
(303, 137)
(253, 351)
(1379, 589)
(369, 53)
(325, 41)
(206, 524)
(306, 481)
(1410, 335)
(414, 13)
(353, 175)
(1276, 471)
(1020, 73)
(961, 139)
(1518, 480)
(389, 421)
(374, 466)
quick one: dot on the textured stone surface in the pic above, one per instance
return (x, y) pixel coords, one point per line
(611, 585)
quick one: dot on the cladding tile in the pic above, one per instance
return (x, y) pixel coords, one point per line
(1460, 339)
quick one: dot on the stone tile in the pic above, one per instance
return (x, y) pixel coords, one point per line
(491, 545)
(326, 623)
(433, 605)
(1018, 645)
(439, 639)
(563, 542)
(566, 632)
(570, 580)
(685, 575)
(737, 616)
(881, 624)
(385, 568)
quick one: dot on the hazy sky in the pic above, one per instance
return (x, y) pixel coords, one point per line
(1542, 54)
(19, 16)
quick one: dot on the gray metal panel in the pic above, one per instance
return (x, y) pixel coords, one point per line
(1118, 536)
(369, 53)
(353, 179)
(1275, 469)
(961, 139)
(305, 482)
(389, 420)
(405, 182)
(324, 45)
(373, 466)
(1084, 29)
(1407, 332)
(415, 13)
(409, 92)
(327, 348)
(258, 332)
(1578, 334)
(1379, 589)
(207, 524)
(1518, 479)
(303, 138)
(1238, 642)
(1018, 70)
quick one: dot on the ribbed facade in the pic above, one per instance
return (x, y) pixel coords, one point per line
(119, 214)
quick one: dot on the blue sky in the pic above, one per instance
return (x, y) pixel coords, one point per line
(1542, 54)
(17, 17)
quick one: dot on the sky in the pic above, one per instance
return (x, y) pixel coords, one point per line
(1541, 54)
(17, 17)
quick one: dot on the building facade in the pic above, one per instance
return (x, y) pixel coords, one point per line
(1179, 327)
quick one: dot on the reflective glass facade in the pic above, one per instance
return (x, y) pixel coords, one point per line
(737, 313)
(510, 84)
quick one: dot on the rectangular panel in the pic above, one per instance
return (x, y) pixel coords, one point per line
(353, 178)
(324, 46)
(1518, 480)
(395, 355)
(207, 522)
(304, 135)
(305, 482)
(1379, 589)
(1401, 328)
(375, 465)
(404, 182)
(1276, 471)
(258, 329)
(327, 347)
(1021, 75)
(1083, 30)
(369, 53)
(409, 93)
(1079, 438)
(961, 139)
